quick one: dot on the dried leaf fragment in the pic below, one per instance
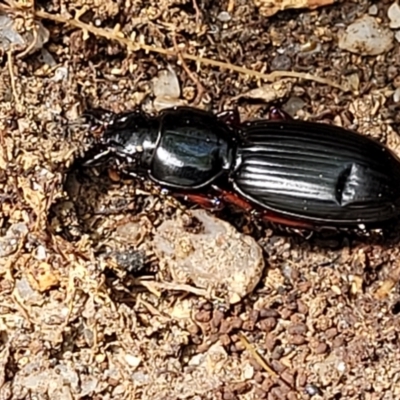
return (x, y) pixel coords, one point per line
(44, 277)
(270, 92)
(271, 7)
(34, 198)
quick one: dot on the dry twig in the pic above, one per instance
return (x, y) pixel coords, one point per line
(10, 63)
(116, 35)
(257, 356)
(154, 288)
(192, 76)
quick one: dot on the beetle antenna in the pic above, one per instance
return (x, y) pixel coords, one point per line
(96, 159)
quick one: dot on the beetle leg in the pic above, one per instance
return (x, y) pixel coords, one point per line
(276, 114)
(230, 118)
(232, 198)
(207, 202)
(96, 159)
(134, 175)
(275, 218)
(268, 216)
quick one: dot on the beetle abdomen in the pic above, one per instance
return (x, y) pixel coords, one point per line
(317, 172)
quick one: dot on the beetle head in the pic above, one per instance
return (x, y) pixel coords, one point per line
(130, 137)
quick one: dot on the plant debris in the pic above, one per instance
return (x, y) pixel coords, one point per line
(269, 8)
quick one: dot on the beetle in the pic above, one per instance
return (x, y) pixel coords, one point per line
(297, 173)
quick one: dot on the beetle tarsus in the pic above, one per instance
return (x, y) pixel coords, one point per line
(276, 114)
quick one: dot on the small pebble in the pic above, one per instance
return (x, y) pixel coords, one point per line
(321, 348)
(288, 377)
(281, 62)
(392, 72)
(132, 360)
(267, 312)
(258, 377)
(394, 15)
(396, 95)
(248, 325)
(228, 396)
(47, 58)
(293, 105)
(331, 333)
(236, 323)
(240, 387)
(292, 395)
(277, 353)
(166, 84)
(278, 393)
(337, 342)
(193, 329)
(41, 253)
(297, 329)
(341, 367)
(303, 309)
(235, 261)
(267, 384)
(367, 37)
(297, 339)
(225, 340)
(277, 366)
(267, 324)
(373, 10)
(224, 16)
(312, 390)
(286, 313)
(226, 326)
(217, 318)
(396, 81)
(260, 393)
(270, 341)
(203, 316)
(9, 36)
(255, 364)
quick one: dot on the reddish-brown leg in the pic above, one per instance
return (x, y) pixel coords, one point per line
(207, 202)
(276, 114)
(217, 201)
(268, 216)
(232, 198)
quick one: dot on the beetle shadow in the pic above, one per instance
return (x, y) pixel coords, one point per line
(387, 235)
(93, 206)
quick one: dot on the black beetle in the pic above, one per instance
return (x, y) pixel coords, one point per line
(296, 173)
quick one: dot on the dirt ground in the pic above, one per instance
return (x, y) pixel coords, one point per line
(88, 308)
